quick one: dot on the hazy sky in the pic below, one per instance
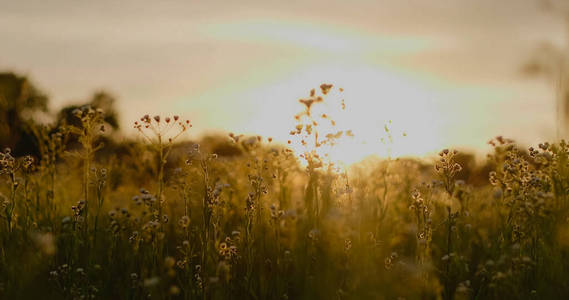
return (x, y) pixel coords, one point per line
(445, 71)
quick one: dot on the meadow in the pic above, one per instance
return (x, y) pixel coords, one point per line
(244, 217)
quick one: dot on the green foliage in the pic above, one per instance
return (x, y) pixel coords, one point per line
(165, 220)
(237, 227)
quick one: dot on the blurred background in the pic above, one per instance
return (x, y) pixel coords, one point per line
(445, 73)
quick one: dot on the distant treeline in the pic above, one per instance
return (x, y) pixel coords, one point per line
(27, 118)
(24, 109)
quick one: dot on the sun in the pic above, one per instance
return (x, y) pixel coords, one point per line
(316, 132)
(364, 100)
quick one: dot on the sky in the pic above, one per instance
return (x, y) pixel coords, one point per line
(445, 72)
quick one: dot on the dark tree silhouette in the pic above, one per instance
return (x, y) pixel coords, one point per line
(102, 100)
(20, 101)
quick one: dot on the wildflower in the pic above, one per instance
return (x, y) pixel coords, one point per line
(184, 222)
(325, 88)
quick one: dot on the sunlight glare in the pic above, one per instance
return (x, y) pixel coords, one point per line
(373, 97)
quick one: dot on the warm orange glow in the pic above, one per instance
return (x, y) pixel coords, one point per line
(373, 98)
(445, 76)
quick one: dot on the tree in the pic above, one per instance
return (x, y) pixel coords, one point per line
(100, 99)
(20, 101)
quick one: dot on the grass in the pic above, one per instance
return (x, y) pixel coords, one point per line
(157, 219)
